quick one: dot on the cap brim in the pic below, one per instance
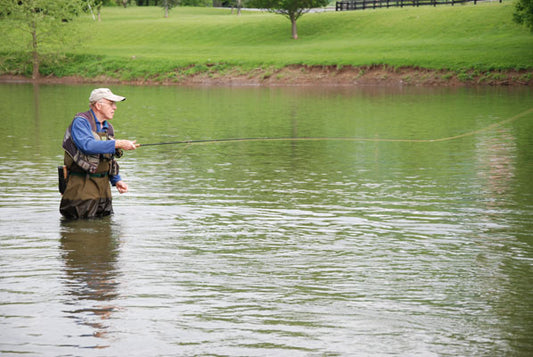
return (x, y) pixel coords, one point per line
(115, 98)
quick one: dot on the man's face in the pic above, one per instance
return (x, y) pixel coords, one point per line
(106, 108)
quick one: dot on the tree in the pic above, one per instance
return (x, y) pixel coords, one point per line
(292, 9)
(524, 13)
(239, 5)
(169, 4)
(43, 20)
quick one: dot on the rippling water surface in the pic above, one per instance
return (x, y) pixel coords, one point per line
(264, 248)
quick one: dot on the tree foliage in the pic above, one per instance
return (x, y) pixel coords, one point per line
(524, 13)
(292, 9)
(43, 20)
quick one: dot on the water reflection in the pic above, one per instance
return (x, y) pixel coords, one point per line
(90, 250)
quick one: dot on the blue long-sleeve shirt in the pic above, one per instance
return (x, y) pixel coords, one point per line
(85, 141)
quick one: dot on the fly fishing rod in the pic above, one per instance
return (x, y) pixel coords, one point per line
(306, 138)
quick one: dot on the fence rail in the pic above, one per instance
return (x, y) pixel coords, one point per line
(376, 4)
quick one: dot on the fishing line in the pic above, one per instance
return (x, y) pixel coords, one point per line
(178, 153)
(449, 138)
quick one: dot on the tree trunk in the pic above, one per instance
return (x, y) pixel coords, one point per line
(166, 6)
(35, 54)
(294, 31)
(239, 5)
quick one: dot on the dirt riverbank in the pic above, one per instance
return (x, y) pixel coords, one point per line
(315, 76)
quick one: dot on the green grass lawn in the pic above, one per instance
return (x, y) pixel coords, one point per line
(142, 42)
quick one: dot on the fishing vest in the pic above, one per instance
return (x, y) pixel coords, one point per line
(89, 163)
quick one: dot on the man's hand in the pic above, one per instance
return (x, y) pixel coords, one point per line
(122, 187)
(126, 144)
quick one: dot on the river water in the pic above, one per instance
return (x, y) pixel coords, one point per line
(377, 245)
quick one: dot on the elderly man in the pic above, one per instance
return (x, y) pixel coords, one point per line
(90, 150)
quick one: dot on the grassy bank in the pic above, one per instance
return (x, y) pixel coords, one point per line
(138, 43)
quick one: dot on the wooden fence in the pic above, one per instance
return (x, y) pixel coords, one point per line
(376, 4)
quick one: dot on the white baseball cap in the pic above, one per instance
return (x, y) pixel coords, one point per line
(104, 93)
